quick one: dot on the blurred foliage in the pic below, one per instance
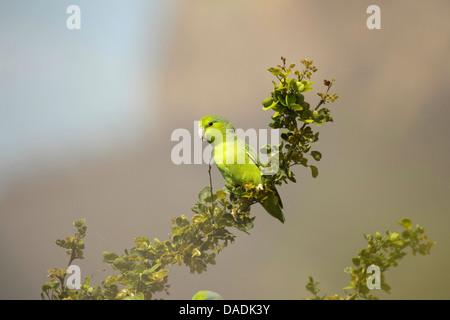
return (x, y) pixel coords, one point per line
(383, 251)
(141, 271)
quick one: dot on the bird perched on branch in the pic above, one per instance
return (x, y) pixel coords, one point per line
(237, 161)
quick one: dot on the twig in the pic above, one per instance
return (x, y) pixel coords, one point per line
(321, 102)
(98, 271)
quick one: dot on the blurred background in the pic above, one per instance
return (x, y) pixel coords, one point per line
(86, 118)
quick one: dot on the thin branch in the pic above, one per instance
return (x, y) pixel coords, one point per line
(247, 204)
(98, 271)
(61, 280)
(211, 189)
(321, 102)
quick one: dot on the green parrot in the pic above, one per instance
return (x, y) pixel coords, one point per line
(207, 295)
(236, 160)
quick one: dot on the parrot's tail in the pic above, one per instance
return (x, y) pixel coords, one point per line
(274, 206)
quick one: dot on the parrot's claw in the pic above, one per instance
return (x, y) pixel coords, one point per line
(259, 187)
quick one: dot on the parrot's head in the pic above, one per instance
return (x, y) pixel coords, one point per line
(211, 126)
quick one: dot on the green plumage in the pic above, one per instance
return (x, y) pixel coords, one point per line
(207, 295)
(237, 162)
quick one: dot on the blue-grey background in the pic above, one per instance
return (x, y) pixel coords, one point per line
(86, 118)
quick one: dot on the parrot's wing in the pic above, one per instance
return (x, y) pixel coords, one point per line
(253, 156)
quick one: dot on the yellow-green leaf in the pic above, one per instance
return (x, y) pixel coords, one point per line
(406, 223)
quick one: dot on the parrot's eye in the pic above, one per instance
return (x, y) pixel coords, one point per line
(210, 124)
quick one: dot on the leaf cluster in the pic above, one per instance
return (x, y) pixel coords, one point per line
(294, 114)
(383, 251)
(142, 270)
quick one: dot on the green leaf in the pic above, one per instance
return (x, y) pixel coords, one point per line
(299, 86)
(60, 242)
(275, 71)
(139, 296)
(315, 115)
(348, 288)
(296, 107)
(221, 195)
(159, 275)
(142, 241)
(267, 102)
(79, 223)
(204, 194)
(46, 286)
(86, 284)
(109, 257)
(314, 171)
(385, 287)
(272, 105)
(140, 268)
(290, 98)
(123, 264)
(308, 85)
(406, 223)
(316, 155)
(153, 268)
(394, 236)
(356, 261)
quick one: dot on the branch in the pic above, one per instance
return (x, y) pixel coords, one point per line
(211, 188)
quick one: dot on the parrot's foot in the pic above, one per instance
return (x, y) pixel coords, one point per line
(259, 187)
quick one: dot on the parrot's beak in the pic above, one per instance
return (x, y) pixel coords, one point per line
(201, 132)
